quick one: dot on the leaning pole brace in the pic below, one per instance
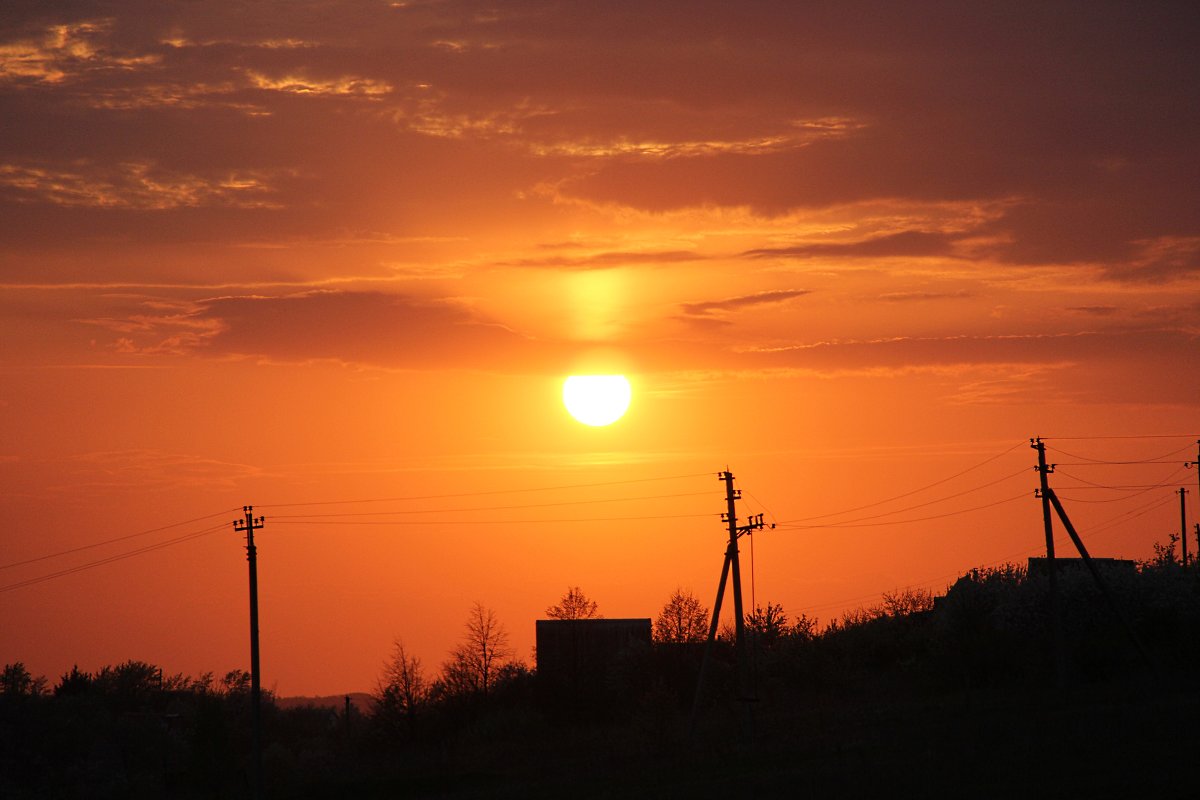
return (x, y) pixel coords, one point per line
(1104, 590)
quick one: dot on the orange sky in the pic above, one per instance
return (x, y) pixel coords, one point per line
(304, 252)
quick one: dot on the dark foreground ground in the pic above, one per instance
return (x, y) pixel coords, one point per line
(1106, 741)
(955, 698)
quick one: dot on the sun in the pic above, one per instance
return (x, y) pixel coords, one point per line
(596, 400)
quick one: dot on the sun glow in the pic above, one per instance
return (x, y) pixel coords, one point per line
(597, 400)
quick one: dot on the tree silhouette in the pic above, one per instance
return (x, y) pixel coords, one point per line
(574, 605)
(16, 681)
(403, 689)
(682, 619)
(767, 624)
(907, 601)
(474, 664)
(75, 682)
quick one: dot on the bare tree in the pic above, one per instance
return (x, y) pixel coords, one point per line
(402, 689)
(474, 664)
(574, 605)
(907, 601)
(682, 619)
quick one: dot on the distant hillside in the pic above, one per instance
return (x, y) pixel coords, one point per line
(362, 702)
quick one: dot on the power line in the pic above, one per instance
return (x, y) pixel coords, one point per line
(115, 539)
(484, 494)
(187, 537)
(1131, 514)
(1111, 463)
(485, 508)
(1153, 460)
(912, 492)
(1116, 521)
(905, 521)
(1097, 438)
(159, 529)
(918, 505)
(476, 521)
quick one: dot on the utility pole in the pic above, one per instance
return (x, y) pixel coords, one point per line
(732, 495)
(731, 564)
(248, 526)
(1051, 569)
(1182, 531)
(1183, 525)
(1049, 498)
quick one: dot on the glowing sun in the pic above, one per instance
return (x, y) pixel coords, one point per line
(596, 399)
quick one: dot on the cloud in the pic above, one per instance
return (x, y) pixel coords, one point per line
(147, 470)
(371, 328)
(909, 297)
(607, 260)
(63, 52)
(133, 185)
(1159, 260)
(903, 243)
(1130, 345)
(344, 86)
(709, 309)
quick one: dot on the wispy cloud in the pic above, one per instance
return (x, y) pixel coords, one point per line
(344, 86)
(63, 51)
(716, 309)
(134, 185)
(918, 296)
(607, 260)
(903, 243)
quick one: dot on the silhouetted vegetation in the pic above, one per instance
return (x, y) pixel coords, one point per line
(918, 694)
(682, 619)
(574, 605)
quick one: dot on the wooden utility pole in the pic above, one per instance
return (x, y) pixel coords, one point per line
(1183, 525)
(1183, 531)
(732, 495)
(248, 526)
(1051, 569)
(731, 564)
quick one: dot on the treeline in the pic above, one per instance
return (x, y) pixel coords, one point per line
(478, 724)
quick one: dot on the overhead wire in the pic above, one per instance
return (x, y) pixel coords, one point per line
(1154, 460)
(187, 537)
(1111, 463)
(278, 517)
(796, 524)
(1101, 528)
(753, 588)
(911, 492)
(115, 539)
(1144, 436)
(927, 503)
(1133, 489)
(486, 493)
(480, 521)
(904, 521)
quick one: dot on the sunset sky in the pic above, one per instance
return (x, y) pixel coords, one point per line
(296, 253)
